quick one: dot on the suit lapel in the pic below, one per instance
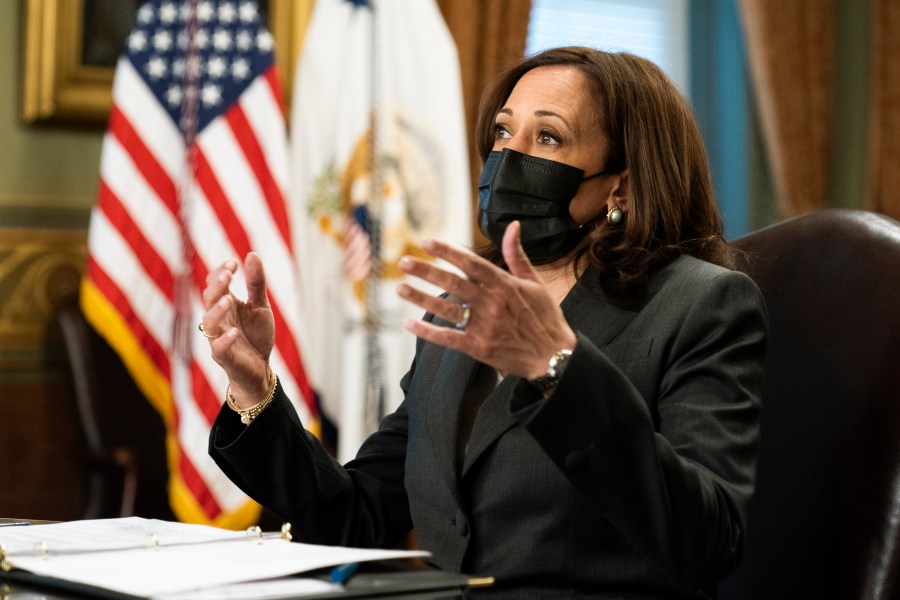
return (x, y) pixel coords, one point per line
(492, 421)
(588, 313)
(453, 377)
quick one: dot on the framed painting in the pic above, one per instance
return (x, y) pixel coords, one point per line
(71, 47)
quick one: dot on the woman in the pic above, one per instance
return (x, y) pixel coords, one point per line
(581, 416)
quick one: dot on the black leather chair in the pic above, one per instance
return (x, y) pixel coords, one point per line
(825, 520)
(124, 457)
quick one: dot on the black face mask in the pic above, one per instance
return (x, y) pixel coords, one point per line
(536, 192)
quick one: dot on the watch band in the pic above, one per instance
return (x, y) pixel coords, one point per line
(554, 371)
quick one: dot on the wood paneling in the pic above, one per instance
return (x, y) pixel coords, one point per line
(40, 448)
(40, 462)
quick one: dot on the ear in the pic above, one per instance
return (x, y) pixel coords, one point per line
(620, 193)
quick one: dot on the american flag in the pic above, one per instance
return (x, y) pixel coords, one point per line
(193, 172)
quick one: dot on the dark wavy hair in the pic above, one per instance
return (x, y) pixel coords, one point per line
(653, 133)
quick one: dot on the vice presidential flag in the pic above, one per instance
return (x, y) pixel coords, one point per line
(377, 135)
(193, 172)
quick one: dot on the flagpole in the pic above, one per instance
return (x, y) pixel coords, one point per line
(188, 124)
(374, 398)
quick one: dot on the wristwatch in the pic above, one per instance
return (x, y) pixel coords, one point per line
(554, 371)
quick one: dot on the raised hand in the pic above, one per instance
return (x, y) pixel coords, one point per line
(241, 333)
(514, 323)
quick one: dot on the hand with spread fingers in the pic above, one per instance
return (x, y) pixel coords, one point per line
(241, 333)
(513, 324)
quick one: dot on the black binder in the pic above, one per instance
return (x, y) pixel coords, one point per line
(374, 581)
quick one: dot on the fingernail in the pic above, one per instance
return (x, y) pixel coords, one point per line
(223, 302)
(224, 277)
(403, 291)
(428, 243)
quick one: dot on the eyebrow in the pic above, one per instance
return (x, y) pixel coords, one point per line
(538, 113)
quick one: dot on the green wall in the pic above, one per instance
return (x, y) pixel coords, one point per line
(847, 185)
(48, 174)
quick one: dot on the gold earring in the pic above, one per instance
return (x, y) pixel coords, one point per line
(614, 215)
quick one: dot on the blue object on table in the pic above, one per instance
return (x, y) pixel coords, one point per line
(343, 573)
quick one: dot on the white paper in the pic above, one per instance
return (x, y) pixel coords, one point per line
(108, 534)
(187, 558)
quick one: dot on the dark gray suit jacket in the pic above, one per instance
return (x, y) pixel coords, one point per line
(632, 480)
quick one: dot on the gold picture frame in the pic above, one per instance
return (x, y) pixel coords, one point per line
(58, 87)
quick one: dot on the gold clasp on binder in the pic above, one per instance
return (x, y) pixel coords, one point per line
(151, 541)
(41, 549)
(4, 559)
(257, 531)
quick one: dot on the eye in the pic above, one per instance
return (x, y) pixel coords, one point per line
(547, 138)
(501, 132)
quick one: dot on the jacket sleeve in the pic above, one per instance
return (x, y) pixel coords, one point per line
(675, 483)
(285, 468)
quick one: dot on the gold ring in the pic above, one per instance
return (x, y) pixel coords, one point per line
(206, 335)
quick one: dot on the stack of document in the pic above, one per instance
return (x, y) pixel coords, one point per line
(149, 558)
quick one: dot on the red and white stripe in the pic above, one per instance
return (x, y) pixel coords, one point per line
(234, 190)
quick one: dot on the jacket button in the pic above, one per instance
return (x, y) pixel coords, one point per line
(576, 461)
(462, 526)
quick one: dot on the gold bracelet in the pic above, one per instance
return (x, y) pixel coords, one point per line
(248, 414)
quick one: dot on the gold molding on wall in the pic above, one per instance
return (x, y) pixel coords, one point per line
(39, 269)
(56, 86)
